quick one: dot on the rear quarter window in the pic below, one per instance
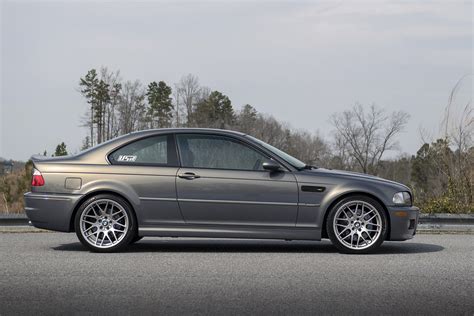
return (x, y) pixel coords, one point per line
(154, 150)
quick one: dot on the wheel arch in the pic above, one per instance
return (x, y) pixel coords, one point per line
(324, 233)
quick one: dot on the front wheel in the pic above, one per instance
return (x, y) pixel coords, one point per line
(357, 224)
(105, 223)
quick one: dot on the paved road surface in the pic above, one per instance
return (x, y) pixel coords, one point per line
(52, 273)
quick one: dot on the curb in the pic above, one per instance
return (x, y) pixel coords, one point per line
(444, 228)
(13, 220)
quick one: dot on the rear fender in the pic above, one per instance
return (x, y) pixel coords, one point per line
(117, 187)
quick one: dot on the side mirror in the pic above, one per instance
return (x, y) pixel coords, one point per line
(271, 165)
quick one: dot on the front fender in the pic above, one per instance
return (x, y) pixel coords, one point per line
(380, 193)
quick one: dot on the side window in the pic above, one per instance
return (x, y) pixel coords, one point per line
(155, 150)
(217, 152)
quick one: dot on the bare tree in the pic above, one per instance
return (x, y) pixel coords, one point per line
(458, 124)
(341, 154)
(113, 81)
(132, 108)
(188, 90)
(271, 131)
(308, 147)
(368, 134)
(177, 106)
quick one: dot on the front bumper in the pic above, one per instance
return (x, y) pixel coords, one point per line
(50, 211)
(403, 222)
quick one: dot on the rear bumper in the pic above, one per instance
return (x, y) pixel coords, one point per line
(403, 222)
(50, 211)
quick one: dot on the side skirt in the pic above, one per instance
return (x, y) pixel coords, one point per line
(207, 231)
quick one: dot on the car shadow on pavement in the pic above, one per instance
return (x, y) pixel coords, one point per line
(245, 246)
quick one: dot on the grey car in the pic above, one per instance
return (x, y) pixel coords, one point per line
(214, 184)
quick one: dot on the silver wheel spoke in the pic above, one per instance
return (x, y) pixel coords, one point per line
(343, 231)
(95, 210)
(372, 217)
(119, 218)
(88, 229)
(102, 241)
(91, 234)
(113, 233)
(352, 212)
(371, 211)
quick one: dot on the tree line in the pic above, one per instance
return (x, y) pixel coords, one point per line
(118, 107)
(440, 174)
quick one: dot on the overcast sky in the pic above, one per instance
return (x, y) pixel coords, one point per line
(299, 61)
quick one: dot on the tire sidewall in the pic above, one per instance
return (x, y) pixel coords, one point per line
(332, 235)
(131, 231)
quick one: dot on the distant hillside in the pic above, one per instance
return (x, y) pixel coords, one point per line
(17, 164)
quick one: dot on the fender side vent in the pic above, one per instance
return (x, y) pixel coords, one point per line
(312, 188)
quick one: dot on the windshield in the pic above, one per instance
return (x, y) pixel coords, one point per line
(283, 155)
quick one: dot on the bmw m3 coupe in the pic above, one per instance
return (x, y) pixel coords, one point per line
(214, 184)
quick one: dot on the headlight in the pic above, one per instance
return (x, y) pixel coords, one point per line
(402, 198)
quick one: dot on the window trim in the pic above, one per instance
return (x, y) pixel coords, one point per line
(232, 138)
(171, 151)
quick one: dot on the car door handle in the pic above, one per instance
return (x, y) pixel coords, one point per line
(188, 175)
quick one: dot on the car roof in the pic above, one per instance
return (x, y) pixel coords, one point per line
(186, 130)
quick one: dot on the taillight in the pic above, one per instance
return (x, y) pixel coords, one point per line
(37, 180)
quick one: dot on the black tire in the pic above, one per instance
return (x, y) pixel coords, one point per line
(129, 233)
(368, 248)
(136, 239)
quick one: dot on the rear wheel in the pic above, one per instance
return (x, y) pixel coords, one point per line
(357, 224)
(105, 223)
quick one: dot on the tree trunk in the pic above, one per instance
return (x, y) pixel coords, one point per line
(92, 126)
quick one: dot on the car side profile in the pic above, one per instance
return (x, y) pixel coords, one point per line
(215, 184)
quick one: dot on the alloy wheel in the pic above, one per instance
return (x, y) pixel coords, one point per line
(104, 223)
(357, 224)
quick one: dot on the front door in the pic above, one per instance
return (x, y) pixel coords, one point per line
(222, 182)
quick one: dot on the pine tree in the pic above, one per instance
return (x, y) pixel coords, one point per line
(88, 86)
(214, 111)
(60, 150)
(102, 98)
(160, 105)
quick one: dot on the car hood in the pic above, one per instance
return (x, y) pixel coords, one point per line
(356, 175)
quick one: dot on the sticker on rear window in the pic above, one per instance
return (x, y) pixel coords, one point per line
(127, 158)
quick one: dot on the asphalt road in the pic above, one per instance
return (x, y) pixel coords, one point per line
(52, 273)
